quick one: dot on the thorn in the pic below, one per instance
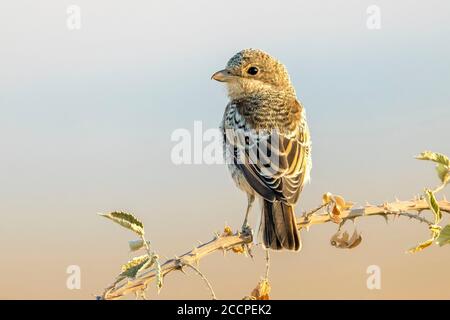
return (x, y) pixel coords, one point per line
(217, 235)
(396, 199)
(445, 198)
(199, 242)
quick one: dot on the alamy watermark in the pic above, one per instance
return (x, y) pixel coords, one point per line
(73, 21)
(373, 282)
(242, 147)
(373, 21)
(74, 279)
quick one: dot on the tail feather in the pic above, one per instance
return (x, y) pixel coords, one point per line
(279, 226)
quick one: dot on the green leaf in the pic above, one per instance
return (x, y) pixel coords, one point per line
(443, 173)
(126, 220)
(435, 157)
(132, 267)
(444, 236)
(434, 206)
(135, 245)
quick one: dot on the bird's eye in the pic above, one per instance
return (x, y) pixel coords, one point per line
(252, 71)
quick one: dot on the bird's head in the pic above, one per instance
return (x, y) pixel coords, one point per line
(251, 72)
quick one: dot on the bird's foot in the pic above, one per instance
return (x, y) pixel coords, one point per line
(246, 229)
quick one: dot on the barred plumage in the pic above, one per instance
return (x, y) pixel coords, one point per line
(264, 122)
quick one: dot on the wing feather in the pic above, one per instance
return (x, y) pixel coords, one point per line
(284, 178)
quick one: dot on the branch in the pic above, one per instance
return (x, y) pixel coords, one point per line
(228, 240)
(397, 208)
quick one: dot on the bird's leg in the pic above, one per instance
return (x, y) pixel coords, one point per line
(267, 264)
(245, 226)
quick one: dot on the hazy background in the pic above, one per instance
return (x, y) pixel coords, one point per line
(86, 118)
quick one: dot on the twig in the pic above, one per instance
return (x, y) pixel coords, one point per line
(313, 211)
(219, 243)
(397, 208)
(122, 287)
(204, 279)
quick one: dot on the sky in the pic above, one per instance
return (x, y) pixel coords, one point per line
(86, 118)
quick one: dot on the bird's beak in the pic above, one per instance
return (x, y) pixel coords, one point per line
(222, 75)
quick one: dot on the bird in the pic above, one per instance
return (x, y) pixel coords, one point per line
(265, 123)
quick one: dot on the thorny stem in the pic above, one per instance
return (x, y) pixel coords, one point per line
(313, 211)
(416, 217)
(204, 279)
(408, 209)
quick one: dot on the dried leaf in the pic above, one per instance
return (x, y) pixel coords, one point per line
(421, 246)
(345, 236)
(238, 249)
(355, 240)
(348, 205)
(342, 240)
(126, 220)
(340, 202)
(326, 198)
(227, 231)
(335, 215)
(262, 290)
(338, 205)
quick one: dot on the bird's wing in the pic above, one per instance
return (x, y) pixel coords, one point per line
(277, 165)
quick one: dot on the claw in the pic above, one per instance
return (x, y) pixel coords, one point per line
(247, 230)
